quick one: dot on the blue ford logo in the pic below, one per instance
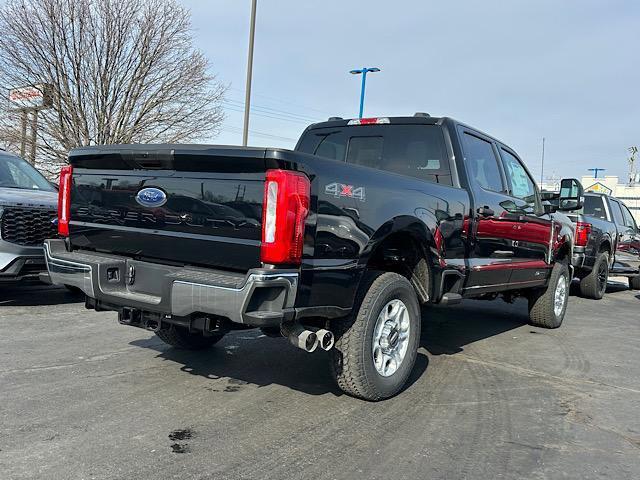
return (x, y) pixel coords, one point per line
(151, 197)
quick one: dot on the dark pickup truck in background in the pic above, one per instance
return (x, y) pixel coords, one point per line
(607, 244)
(336, 244)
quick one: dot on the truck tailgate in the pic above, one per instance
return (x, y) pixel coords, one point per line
(204, 208)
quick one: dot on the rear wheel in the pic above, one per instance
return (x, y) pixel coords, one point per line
(594, 285)
(376, 347)
(634, 283)
(547, 307)
(180, 337)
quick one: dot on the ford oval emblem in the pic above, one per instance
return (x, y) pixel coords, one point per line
(151, 197)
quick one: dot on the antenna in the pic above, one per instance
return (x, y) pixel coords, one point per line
(596, 170)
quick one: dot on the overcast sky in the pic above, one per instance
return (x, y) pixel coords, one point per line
(519, 70)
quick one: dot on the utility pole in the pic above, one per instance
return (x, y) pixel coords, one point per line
(247, 97)
(632, 164)
(542, 168)
(363, 71)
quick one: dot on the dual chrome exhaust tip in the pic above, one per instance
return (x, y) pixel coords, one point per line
(307, 339)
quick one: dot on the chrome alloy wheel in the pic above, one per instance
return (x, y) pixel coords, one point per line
(560, 296)
(391, 337)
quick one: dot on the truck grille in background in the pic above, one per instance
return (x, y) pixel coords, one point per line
(28, 226)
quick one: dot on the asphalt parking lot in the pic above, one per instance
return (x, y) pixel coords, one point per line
(82, 397)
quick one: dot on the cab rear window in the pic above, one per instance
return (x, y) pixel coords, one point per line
(594, 207)
(414, 150)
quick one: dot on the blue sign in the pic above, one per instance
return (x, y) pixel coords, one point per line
(151, 197)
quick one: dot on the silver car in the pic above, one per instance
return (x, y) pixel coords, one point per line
(28, 216)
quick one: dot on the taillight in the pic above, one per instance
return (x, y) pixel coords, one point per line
(583, 230)
(64, 200)
(284, 211)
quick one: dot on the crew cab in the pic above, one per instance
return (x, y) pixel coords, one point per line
(607, 244)
(336, 244)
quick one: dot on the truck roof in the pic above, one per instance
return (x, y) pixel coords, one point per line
(418, 119)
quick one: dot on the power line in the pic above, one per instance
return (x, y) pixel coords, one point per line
(287, 102)
(285, 119)
(273, 111)
(232, 129)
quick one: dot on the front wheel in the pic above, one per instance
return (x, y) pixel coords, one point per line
(634, 283)
(547, 307)
(376, 347)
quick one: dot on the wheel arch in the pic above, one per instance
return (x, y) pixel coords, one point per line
(409, 247)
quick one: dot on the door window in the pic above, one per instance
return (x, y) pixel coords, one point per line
(520, 184)
(481, 163)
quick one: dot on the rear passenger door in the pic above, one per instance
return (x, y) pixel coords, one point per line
(491, 248)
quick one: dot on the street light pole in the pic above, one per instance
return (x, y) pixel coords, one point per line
(542, 167)
(247, 97)
(363, 71)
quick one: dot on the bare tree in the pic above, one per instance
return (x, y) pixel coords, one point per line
(121, 71)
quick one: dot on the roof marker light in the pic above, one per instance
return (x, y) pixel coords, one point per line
(369, 121)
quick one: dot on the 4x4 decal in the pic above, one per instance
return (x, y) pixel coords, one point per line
(342, 190)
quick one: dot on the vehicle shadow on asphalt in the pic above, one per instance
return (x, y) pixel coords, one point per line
(447, 330)
(248, 357)
(33, 295)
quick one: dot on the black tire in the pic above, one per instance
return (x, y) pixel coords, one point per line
(352, 357)
(180, 337)
(634, 283)
(594, 285)
(542, 302)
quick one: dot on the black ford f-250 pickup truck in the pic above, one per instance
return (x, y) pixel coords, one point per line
(342, 239)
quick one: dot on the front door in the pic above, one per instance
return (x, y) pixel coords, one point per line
(532, 228)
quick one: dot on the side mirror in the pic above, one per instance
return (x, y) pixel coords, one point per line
(571, 195)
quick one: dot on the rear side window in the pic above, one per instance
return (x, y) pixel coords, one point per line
(617, 213)
(482, 163)
(594, 207)
(414, 150)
